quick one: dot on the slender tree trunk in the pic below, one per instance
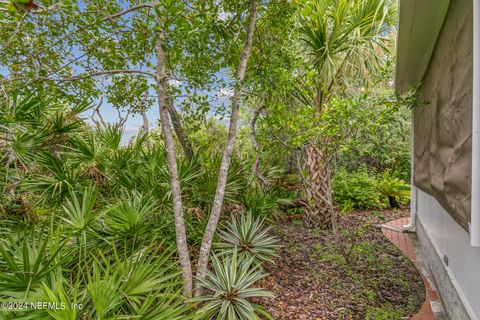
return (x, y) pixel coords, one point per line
(227, 152)
(256, 146)
(161, 79)
(145, 125)
(319, 190)
(177, 126)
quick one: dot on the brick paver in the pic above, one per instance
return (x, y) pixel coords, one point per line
(402, 241)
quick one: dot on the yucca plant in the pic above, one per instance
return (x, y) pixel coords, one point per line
(230, 287)
(248, 236)
(339, 39)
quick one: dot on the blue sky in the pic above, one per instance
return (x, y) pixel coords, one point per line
(217, 97)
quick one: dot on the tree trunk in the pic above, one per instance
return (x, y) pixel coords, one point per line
(392, 201)
(181, 239)
(145, 126)
(227, 152)
(256, 146)
(177, 126)
(319, 190)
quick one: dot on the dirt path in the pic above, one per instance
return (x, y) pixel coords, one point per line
(312, 281)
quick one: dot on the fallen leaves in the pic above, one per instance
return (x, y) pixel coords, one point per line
(311, 280)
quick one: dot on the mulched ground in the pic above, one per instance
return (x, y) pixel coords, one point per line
(311, 280)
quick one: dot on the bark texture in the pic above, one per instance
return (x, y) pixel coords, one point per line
(177, 126)
(256, 146)
(319, 192)
(227, 152)
(181, 239)
(145, 125)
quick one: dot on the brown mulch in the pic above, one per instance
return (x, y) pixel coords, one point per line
(311, 280)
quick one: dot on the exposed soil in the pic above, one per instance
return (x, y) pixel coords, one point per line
(311, 280)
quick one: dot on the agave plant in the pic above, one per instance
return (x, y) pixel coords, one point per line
(230, 284)
(250, 237)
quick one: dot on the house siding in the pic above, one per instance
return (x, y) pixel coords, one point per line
(454, 264)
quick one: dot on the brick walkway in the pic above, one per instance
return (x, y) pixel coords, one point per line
(403, 241)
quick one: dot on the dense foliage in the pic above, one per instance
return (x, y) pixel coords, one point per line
(118, 224)
(86, 220)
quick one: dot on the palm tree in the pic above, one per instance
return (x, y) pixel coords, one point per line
(339, 38)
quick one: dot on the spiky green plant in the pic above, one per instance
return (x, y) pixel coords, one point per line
(26, 259)
(230, 286)
(130, 215)
(54, 179)
(79, 215)
(263, 203)
(250, 237)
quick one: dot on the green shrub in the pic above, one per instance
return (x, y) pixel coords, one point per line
(395, 189)
(356, 190)
(129, 217)
(262, 203)
(230, 286)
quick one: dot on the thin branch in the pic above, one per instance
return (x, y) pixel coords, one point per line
(83, 76)
(99, 104)
(111, 17)
(53, 7)
(140, 6)
(98, 73)
(122, 120)
(97, 110)
(17, 30)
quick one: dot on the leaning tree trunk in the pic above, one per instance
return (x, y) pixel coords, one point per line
(181, 238)
(256, 146)
(227, 153)
(177, 126)
(319, 190)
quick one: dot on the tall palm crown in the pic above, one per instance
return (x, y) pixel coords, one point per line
(341, 35)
